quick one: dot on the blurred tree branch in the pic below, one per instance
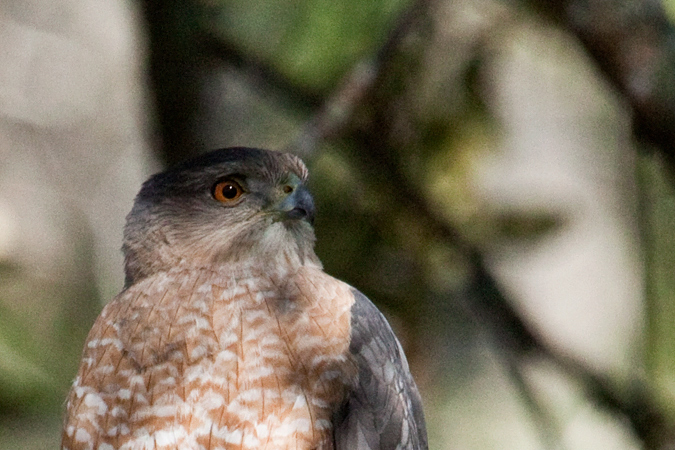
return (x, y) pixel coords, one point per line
(175, 69)
(337, 110)
(259, 72)
(633, 42)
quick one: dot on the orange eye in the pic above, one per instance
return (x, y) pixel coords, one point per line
(227, 191)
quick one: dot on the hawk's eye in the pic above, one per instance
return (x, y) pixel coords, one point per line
(227, 191)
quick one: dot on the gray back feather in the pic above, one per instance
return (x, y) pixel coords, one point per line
(384, 411)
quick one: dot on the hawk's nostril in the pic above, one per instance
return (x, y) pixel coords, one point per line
(297, 213)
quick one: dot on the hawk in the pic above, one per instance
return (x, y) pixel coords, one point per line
(229, 335)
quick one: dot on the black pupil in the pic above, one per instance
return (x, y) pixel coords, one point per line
(229, 191)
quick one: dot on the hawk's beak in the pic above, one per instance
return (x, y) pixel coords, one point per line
(298, 205)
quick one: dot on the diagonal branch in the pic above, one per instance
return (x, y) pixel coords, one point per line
(261, 73)
(633, 42)
(335, 114)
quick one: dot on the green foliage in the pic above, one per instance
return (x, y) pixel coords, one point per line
(659, 223)
(312, 43)
(669, 6)
(22, 379)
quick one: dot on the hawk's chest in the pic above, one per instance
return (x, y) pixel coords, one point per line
(244, 360)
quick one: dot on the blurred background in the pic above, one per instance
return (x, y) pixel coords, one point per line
(495, 174)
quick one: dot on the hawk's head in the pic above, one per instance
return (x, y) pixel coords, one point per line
(229, 206)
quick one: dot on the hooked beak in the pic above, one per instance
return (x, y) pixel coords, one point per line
(298, 205)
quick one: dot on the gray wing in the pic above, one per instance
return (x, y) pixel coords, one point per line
(384, 410)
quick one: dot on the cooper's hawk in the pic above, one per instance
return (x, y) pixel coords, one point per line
(228, 334)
